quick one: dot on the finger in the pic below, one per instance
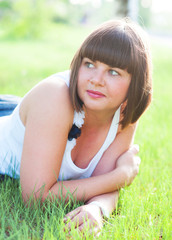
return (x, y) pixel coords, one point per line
(134, 148)
(90, 227)
(95, 230)
(71, 215)
(79, 219)
(76, 221)
(137, 160)
(81, 227)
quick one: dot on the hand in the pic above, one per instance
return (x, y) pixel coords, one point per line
(130, 162)
(88, 215)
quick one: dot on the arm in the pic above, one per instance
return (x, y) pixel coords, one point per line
(128, 161)
(47, 124)
(85, 189)
(92, 209)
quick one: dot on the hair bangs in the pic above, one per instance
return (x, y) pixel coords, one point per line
(111, 49)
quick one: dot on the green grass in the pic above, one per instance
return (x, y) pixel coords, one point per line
(145, 208)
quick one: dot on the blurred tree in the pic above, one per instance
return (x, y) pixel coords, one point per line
(139, 11)
(24, 19)
(128, 8)
(61, 10)
(122, 8)
(5, 6)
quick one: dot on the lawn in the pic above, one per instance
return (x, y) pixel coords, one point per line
(144, 210)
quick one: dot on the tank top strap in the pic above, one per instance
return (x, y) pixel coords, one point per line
(110, 137)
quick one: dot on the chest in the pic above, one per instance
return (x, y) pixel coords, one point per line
(87, 146)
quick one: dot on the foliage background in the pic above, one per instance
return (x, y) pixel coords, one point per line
(32, 18)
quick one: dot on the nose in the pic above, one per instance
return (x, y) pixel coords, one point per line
(97, 78)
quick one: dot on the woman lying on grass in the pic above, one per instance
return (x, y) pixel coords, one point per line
(73, 132)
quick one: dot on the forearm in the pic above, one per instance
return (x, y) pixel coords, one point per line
(85, 189)
(108, 201)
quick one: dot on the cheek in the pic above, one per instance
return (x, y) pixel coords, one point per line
(119, 90)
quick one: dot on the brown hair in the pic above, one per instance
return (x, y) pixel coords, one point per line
(120, 44)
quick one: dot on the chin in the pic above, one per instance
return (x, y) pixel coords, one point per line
(94, 107)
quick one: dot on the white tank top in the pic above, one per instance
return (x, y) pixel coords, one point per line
(12, 133)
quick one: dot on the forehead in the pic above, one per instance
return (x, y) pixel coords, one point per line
(111, 48)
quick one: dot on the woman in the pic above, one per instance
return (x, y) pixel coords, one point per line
(73, 131)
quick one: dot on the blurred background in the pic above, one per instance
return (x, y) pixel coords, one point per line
(30, 18)
(40, 37)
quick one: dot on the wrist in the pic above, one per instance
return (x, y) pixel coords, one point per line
(103, 209)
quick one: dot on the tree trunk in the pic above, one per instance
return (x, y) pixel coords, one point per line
(128, 8)
(123, 8)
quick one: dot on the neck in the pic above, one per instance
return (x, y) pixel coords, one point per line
(98, 119)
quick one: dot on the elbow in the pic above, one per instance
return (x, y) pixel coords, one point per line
(30, 195)
(30, 198)
(128, 176)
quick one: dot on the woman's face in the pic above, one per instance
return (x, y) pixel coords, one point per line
(101, 87)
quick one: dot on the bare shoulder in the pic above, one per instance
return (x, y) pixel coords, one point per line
(50, 97)
(48, 120)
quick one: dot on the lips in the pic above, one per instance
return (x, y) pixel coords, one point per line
(95, 94)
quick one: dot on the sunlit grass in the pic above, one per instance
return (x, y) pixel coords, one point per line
(145, 208)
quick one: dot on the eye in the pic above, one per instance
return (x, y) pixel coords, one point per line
(113, 72)
(88, 64)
